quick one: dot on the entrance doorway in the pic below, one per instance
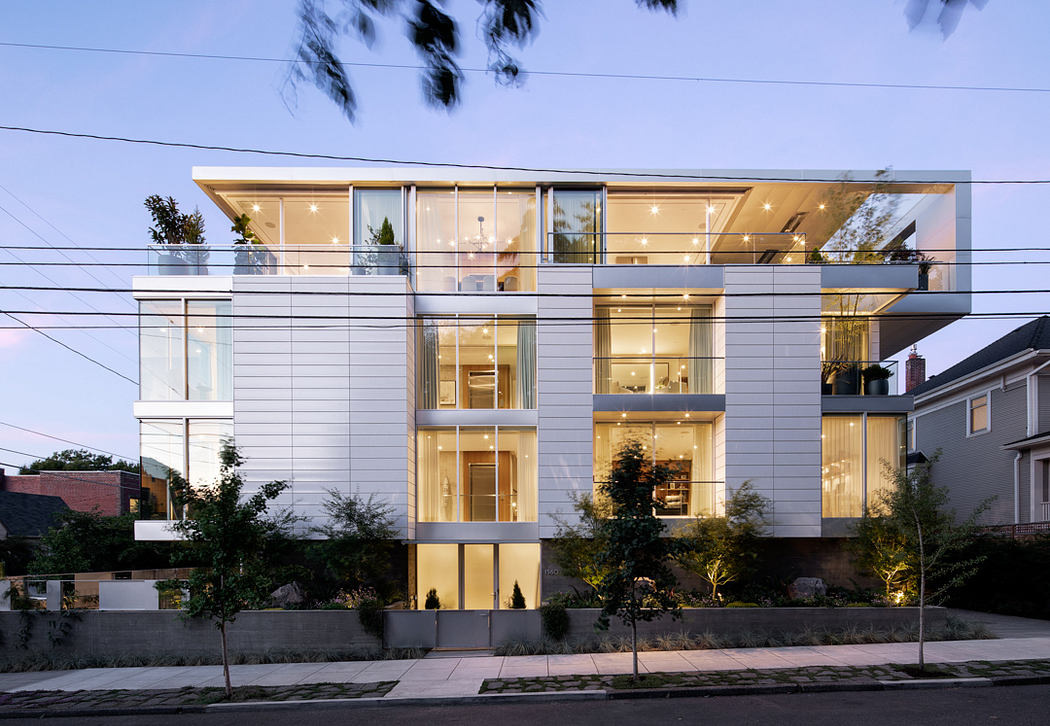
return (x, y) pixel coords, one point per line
(477, 576)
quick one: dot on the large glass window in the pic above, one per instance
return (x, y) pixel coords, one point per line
(485, 574)
(469, 362)
(180, 448)
(437, 569)
(654, 349)
(316, 234)
(854, 453)
(576, 218)
(670, 228)
(209, 350)
(685, 447)
(162, 352)
(186, 350)
(377, 217)
(475, 240)
(477, 474)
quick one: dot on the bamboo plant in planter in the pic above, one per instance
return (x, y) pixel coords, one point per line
(876, 380)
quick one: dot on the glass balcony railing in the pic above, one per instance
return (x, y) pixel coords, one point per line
(660, 374)
(289, 259)
(858, 378)
(677, 248)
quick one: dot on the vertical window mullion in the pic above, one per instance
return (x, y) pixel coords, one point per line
(185, 323)
(864, 459)
(459, 514)
(495, 436)
(455, 231)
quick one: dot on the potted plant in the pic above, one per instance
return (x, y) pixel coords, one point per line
(815, 257)
(876, 380)
(827, 375)
(247, 260)
(846, 381)
(171, 229)
(925, 263)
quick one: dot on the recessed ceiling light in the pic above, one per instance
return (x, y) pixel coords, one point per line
(767, 206)
(256, 208)
(313, 208)
(655, 209)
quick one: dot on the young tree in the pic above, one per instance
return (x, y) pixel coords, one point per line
(78, 460)
(359, 537)
(915, 509)
(578, 546)
(882, 549)
(721, 549)
(228, 536)
(638, 584)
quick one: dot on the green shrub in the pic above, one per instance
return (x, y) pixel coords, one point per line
(517, 599)
(432, 602)
(739, 604)
(555, 620)
(370, 613)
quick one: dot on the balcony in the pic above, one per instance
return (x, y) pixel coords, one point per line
(651, 375)
(676, 248)
(289, 259)
(858, 378)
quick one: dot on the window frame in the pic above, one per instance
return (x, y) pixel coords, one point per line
(987, 396)
(184, 316)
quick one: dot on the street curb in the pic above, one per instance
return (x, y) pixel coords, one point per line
(542, 697)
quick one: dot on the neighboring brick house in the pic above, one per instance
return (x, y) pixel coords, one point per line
(110, 492)
(989, 417)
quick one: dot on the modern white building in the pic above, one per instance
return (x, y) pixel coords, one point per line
(472, 346)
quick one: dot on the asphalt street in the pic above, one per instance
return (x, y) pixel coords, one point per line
(1014, 705)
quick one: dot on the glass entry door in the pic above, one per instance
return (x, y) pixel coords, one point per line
(479, 587)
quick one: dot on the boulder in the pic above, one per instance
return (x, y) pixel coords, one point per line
(807, 587)
(287, 596)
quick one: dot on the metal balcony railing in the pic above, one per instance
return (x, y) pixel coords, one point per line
(288, 259)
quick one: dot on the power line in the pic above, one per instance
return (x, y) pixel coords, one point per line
(327, 247)
(494, 167)
(59, 438)
(544, 73)
(85, 356)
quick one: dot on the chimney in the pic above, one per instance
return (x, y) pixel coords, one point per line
(914, 370)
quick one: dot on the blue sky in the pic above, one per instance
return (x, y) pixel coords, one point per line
(92, 192)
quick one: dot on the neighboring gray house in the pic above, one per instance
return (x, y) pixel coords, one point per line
(28, 515)
(989, 416)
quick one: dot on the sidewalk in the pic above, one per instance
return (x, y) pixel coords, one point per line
(437, 677)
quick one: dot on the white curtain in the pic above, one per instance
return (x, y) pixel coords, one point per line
(702, 495)
(884, 447)
(526, 364)
(427, 362)
(701, 341)
(428, 476)
(603, 351)
(842, 468)
(528, 495)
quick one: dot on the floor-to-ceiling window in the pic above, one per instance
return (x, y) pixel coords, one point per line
(647, 348)
(859, 454)
(178, 449)
(477, 576)
(476, 474)
(682, 445)
(476, 362)
(185, 350)
(476, 240)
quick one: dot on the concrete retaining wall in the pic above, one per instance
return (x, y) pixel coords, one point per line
(734, 621)
(109, 634)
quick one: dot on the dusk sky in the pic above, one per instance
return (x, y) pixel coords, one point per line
(84, 193)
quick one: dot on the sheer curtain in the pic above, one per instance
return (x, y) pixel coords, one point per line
(884, 448)
(427, 364)
(603, 351)
(701, 342)
(428, 476)
(528, 495)
(842, 467)
(526, 364)
(702, 494)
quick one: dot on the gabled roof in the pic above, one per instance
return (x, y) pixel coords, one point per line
(29, 515)
(1034, 335)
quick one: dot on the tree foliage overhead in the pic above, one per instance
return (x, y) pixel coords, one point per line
(434, 33)
(721, 550)
(78, 460)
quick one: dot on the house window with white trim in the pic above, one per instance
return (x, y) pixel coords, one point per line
(977, 415)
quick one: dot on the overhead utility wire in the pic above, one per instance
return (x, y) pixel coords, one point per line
(70, 348)
(495, 167)
(59, 438)
(326, 248)
(60, 474)
(565, 74)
